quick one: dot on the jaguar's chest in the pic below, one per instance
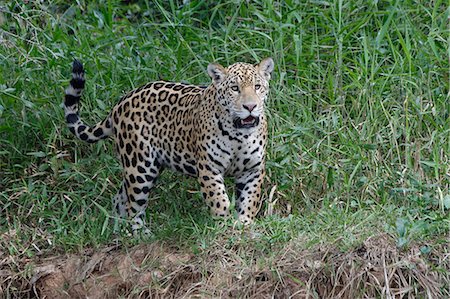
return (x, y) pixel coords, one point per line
(248, 155)
(233, 151)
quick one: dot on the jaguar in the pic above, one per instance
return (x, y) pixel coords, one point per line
(208, 132)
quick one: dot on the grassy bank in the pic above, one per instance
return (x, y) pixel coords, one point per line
(358, 113)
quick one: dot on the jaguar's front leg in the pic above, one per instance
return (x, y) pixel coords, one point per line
(213, 189)
(248, 194)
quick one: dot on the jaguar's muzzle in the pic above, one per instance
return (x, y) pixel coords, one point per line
(248, 122)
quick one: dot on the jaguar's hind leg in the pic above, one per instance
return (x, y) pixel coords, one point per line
(119, 202)
(139, 178)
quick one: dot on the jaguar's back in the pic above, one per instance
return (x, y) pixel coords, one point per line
(159, 116)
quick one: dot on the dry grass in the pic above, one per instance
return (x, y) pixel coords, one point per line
(375, 269)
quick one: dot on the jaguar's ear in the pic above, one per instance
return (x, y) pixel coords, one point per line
(217, 73)
(265, 67)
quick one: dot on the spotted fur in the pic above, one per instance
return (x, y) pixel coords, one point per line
(206, 132)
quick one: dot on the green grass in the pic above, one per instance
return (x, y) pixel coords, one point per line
(358, 112)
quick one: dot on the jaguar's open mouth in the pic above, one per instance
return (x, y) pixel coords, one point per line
(248, 122)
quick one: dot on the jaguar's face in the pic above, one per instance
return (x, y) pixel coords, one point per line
(242, 90)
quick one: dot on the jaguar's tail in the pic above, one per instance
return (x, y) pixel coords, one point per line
(72, 98)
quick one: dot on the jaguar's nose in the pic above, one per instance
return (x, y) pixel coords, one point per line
(249, 106)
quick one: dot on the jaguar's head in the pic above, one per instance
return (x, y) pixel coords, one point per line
(242, 90)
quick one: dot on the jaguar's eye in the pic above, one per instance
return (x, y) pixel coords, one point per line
(234, 88)
(257, 86)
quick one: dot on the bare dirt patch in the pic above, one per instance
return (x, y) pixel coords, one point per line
(375, 269)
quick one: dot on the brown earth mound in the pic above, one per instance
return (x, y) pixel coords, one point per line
(375, 269)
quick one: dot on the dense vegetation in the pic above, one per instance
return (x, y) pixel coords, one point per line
(358, 112)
